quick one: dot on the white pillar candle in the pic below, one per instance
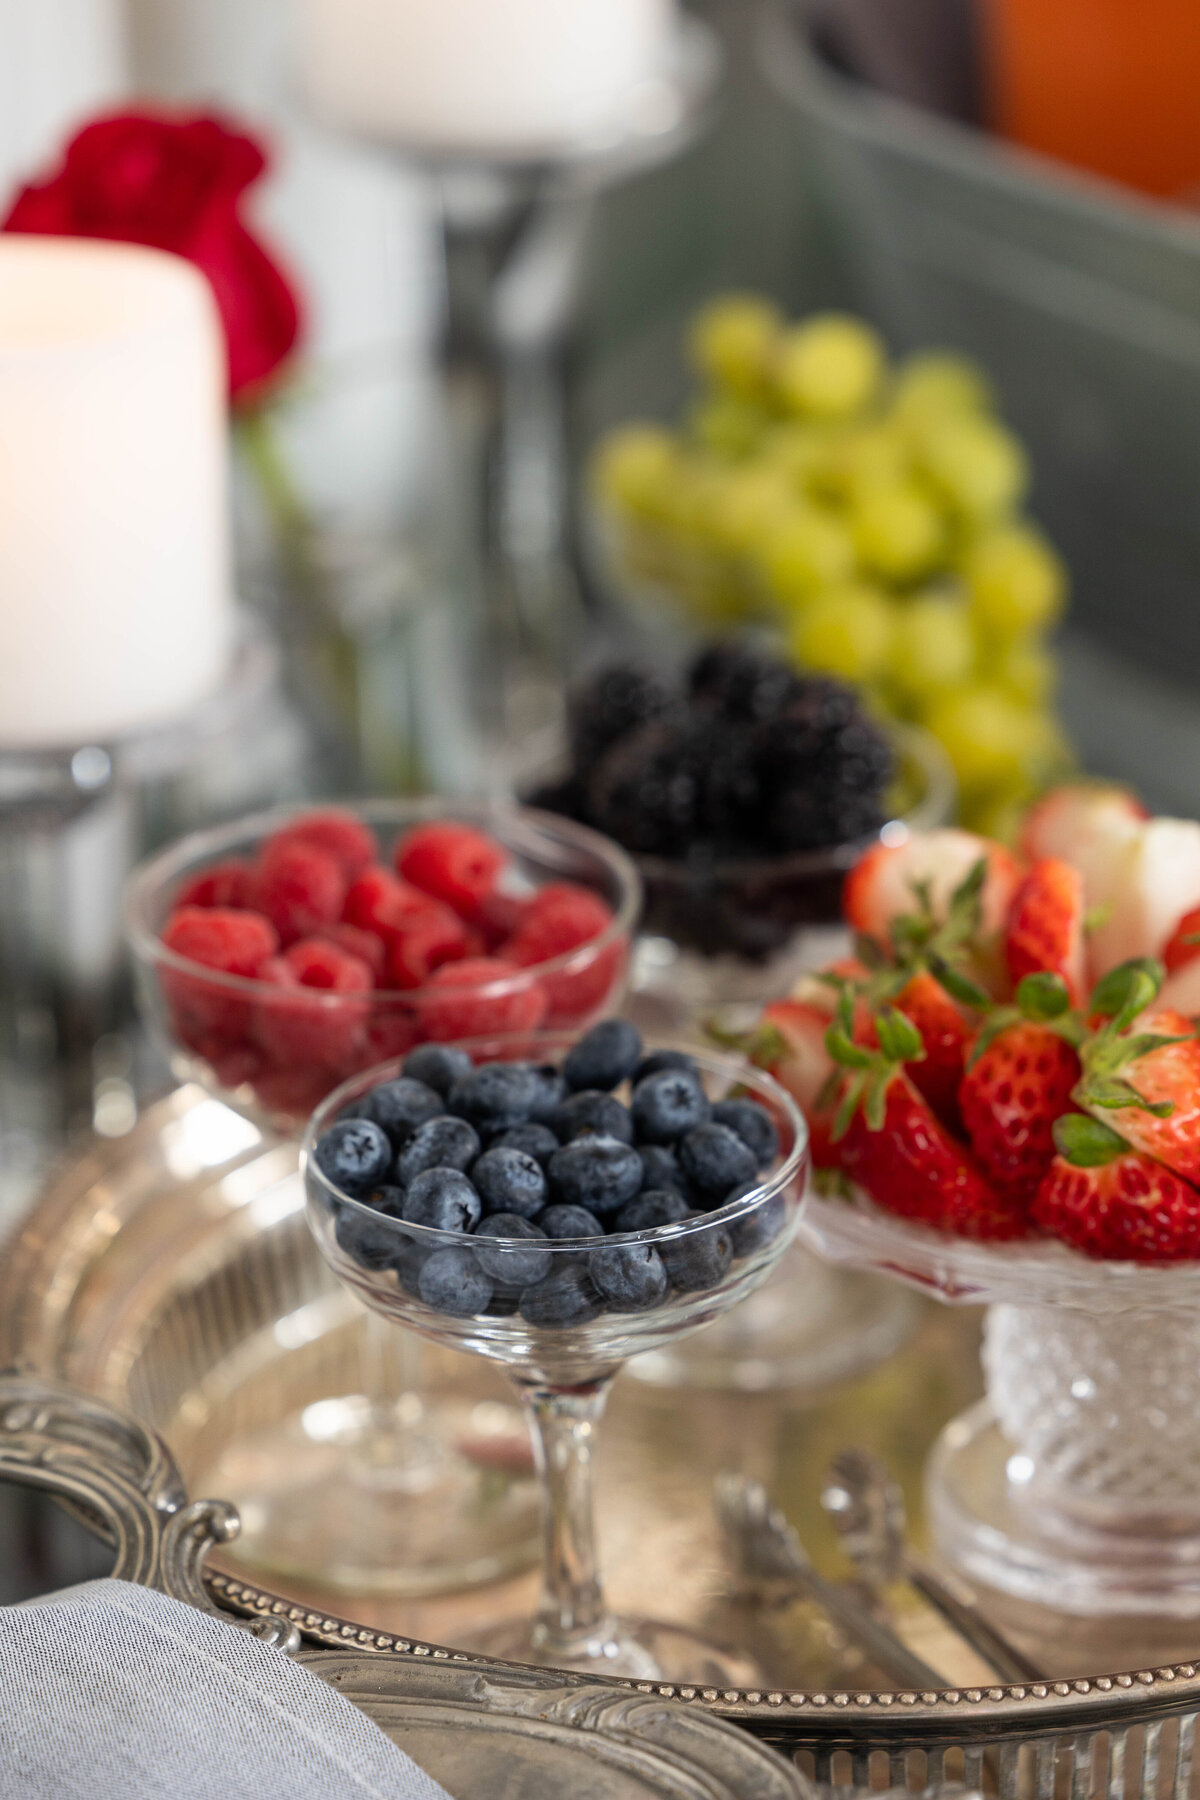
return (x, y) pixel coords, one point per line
(493, 76)
(115, 595)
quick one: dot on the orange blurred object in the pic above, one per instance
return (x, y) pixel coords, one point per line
(1109, 85)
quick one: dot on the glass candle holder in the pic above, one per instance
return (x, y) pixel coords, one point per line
(1076, 1484)
(546, 1312)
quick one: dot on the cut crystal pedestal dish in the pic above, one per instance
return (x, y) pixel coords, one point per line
(1076, 1484)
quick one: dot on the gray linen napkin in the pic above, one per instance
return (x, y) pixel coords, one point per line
(111, 1692)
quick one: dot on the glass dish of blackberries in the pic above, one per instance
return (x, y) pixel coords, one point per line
(744, 791)
(559, 1204)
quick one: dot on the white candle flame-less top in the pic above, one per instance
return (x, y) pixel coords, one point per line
(492, 76)
(115, 594)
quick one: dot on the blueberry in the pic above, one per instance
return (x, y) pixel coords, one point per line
(443, 1199)
(354, 1155)
(631, 1277)
(657, 1060)
(551, 1092)
(699, 1260)
(650, 1209)
(438, 1066)
(760, 1227)
(514, 1268)
(400, 1106)
(533, 1140)
(603, 1056)
(451, 1281)
(660, 1169)
(715, 1160)
(388, 1200)
(510, 1182)
(370, 1241)
(667, 1105)
(409, 1260)
(441, 1143)
(497, 1095)
(753, 1124)
(565, 1298)
(600, 1173)
(570, 1222)
(592, 1111)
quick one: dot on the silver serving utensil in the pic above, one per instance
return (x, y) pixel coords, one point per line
(768, 1554)
(867, 1509)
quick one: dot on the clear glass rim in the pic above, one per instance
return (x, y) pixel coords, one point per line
(735, 1068)
(935, 807)
(960, 1272)
(149, 881)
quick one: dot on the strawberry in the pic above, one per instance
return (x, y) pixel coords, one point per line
(1183, 945)
(1011, 1096)
(790, 1045)
(1045, 925)
(1071, 821)
(910, 1165)
(889, 880)
(1148, 883)
(1144, 1083)
(945, 1035)
(1106, 1199)
(1181, 990)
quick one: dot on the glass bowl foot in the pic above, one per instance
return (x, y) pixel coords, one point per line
(640, 1649)
(422, 1497)
(992, 1521)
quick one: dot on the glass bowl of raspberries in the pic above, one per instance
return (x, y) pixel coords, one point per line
(1003, 1092)
(744, 792)
(280, 954)
(559, 1203)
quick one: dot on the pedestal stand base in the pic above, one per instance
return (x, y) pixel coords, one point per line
(991, 1521)
(639, 1649)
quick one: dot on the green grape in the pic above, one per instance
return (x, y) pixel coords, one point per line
(635, 469)
(727, 426)
(746, 504)
(1016, 581)
(898, 530)
(935, 382)
(733, 340)
(976, 464)
(999, 816)
(846, 631)
(829, 367)
(797, 448)
(859, 458)
(804, 552)
(994, 742)
(933, 647)
(1023, 668)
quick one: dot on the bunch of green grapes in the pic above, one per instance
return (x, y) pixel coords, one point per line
(872, 514)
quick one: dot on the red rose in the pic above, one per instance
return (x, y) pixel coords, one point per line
(176, 184)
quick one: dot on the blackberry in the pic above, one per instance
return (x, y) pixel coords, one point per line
(610, 704)
(648, 792)
(740, 682)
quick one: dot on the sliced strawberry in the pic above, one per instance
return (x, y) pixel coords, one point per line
(1070, 821)
(790, 1045)
(1183, 946)
(1108, 1200)
(945, 1035)
(1011, 1096)
(910, 1165)
(1045, 926)
(1145, 1085)
(1145, 888)
(887, 881)
(1181, 991)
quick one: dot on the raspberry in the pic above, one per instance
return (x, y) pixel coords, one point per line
(378, 901)
(229, 942)
(498, 916)
(453, 862)
(456, 1004)
(224, 884)
(428, 944)
(298, 888)
(364, 944)
(391, 1032)
(559, 919)
(234, 1064)
(317, 1013)
(294, 1093)
(339, 834)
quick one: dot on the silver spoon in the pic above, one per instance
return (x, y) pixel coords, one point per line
(867, 1509)
(768, 1552)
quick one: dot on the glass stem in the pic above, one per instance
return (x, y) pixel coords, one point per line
(572, 1619)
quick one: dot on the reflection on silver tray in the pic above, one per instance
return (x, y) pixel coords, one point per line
(172, 1273)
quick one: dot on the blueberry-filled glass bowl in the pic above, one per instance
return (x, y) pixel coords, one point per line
(272, 1054)
(563, 1316)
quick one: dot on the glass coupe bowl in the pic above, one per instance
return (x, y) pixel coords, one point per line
(1075, 1485)
(541, 1311)
(273, 1054)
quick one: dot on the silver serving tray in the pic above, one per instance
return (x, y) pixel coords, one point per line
(172, 1274)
